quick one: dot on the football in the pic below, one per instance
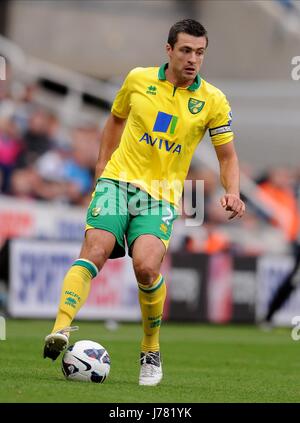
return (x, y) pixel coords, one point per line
(86, 361)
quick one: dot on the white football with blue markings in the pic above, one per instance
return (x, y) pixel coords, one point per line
(86, 361)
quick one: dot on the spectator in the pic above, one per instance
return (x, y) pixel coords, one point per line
(277, 192)
(36, 138)
(10, 150)
(24, 107)
(24, 183)
(280, 188)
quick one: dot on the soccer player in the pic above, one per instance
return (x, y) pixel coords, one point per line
(157, 120)
(283, 292)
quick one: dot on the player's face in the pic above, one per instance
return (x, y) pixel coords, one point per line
(186, 57)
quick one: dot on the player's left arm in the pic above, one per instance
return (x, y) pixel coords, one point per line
(230, 179)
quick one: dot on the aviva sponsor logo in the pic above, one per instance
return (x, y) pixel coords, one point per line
(167, 124)
(170, 147)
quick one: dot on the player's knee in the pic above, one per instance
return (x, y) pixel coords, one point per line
(97, 254)
(145, 272)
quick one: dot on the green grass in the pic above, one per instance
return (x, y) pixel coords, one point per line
(201, 364)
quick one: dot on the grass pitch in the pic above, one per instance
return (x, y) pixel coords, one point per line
(201, 363)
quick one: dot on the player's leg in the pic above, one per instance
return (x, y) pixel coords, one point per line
(284, 291)
(107, 220)
(147, 255)
(148, 236)
(97, 247)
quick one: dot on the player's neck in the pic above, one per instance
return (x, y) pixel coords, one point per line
(177, 82)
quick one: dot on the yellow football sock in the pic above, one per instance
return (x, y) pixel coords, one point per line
(75, 290)
(152, 303)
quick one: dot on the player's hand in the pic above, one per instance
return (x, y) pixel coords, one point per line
(233, 203)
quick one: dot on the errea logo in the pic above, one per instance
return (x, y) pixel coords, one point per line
(151, 90)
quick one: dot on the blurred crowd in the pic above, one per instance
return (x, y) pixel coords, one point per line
(270, 225)
(41, 158)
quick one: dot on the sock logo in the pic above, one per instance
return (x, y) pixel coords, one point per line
(155, 323)
(71, 302)
(73, 294)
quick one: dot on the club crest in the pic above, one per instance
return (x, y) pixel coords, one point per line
(195, 106)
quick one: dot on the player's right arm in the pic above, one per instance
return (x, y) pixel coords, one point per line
(114, 127)
(110, 140)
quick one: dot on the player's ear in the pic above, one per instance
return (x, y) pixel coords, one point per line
(168, 49)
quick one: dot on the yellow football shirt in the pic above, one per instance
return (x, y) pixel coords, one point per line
(164, 126)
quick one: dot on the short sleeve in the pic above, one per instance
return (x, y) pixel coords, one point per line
(121, 104)
(220, 125)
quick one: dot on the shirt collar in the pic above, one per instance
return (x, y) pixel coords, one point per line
(162, 77)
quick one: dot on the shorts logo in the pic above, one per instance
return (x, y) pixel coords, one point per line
(165, 123)
(195, 106)
(163, 228)
(96, 211)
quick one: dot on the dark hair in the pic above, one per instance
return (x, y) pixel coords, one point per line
(188, 26)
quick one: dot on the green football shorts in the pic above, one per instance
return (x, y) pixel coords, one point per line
(128, 212)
